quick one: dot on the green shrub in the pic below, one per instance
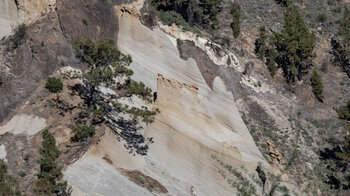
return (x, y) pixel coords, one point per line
(236, 15)
(344, 111)
(317, 85)
(17, 38)
(54, 85)
(82, 132)
(322, 17)
(85, 21)
(285, 3)
(344, 154)
(141, 179)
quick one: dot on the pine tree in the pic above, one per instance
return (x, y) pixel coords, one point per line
(50, 177)
(341, 47)
(295, 46)
(260, 43)
(105, 62)
(317, 85)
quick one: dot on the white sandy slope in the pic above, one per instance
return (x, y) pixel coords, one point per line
(26, 124)
(195, 122)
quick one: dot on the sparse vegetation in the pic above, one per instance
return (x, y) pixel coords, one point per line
(317, 86)
(8, 184)
(20, 33)
(85, 21)
(50, 177)
(54, 85)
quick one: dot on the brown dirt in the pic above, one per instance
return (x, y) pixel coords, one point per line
(23, 151)
(145, 181)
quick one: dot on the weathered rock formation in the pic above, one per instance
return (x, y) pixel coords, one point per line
(195, 122)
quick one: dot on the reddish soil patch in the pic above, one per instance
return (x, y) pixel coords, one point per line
(145, 181)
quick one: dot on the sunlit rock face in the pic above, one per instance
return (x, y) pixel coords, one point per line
(8, 16)
(14, 12)
(196, 122)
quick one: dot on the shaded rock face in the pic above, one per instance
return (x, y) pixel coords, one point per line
(210, 70)
(48, 42)
(94, 19)
(25, 69)
(100, 19)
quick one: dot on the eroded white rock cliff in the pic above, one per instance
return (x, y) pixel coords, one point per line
(195, 123)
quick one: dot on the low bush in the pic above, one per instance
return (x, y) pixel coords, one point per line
(344, 111)
(82, 132)
(322, 17)
(54, 85)
(17, 38)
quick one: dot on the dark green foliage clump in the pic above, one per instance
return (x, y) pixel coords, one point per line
(292, 49)
(50, 177)
(344, 29)
(196, 15)
(146, 115)
(82, 132)
(236, 16)
(270, 60)
(317, 86)
(295, 46)
(344, 154)
(260, 43)
(54, 85)
(344, 111)
(341, 46)
(140, 89)
(85, 21)
(285, 3)
(322, 17)
(17, 38)
(8, 184)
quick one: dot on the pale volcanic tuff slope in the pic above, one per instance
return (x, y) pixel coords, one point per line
(195, 123)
